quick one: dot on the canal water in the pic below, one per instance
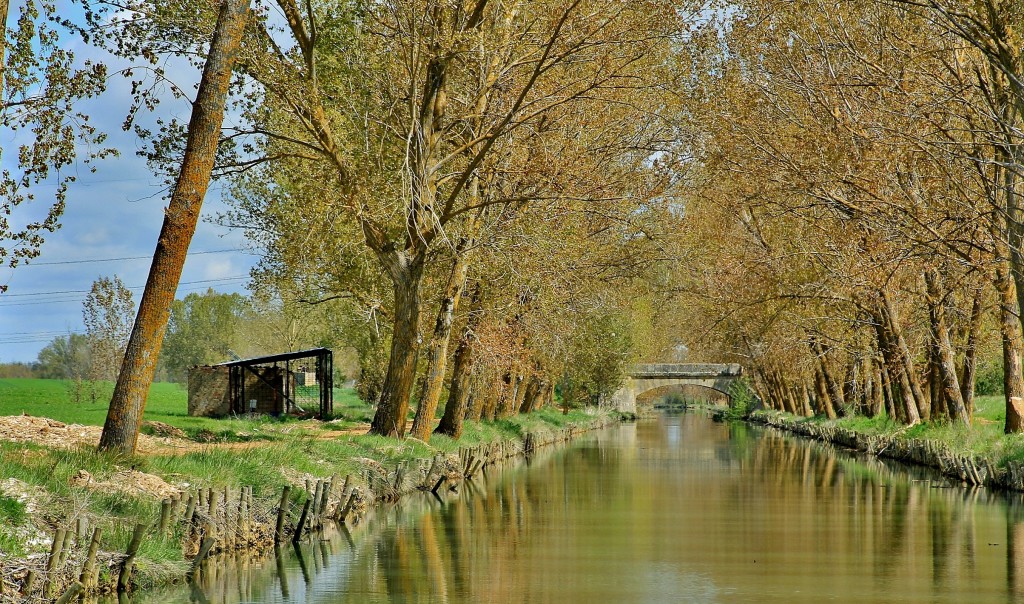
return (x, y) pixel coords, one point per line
(672, 509)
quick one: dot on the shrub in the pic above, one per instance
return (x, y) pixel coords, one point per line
(741, 397)
(989, 379)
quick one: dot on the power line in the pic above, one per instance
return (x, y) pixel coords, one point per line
(124, 258)
(79, 299)
(85, 291)
(61, 295)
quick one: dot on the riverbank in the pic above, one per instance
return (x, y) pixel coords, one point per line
(975, 460)
(155, 514)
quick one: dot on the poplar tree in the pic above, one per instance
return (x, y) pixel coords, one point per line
(124, 417)
(40, 85)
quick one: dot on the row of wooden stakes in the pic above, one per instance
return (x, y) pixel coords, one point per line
(212, 518)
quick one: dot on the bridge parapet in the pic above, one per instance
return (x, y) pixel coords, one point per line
(685, 370)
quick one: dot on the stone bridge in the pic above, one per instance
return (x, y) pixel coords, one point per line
(648, 381)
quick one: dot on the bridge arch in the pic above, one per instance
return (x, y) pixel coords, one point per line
(692, 391)
(642, 379)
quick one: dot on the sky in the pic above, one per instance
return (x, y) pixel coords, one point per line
(110, 227)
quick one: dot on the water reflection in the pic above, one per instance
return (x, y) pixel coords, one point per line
(677, 509)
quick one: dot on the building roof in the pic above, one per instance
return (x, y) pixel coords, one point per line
(284, 356)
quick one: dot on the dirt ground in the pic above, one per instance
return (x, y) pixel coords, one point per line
(52, 433)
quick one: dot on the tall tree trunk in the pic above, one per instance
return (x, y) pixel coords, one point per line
(931, 386)
(812, 396)
(823, 395)
(888, 398)
(835, 393)
(912, 395)
(437, 352)
(891, 365)
(786, 395)
(507, 400)
(970, 364)
(518, 394)
(1014, 229)
(867, 392)
(805, 400)
(495, 398)
(546, 398)
(474, 401)
(758, 387)
(124, 417)
(393, 406)
(4, 8)
(872, 388)
(775, 387)
(761, 385)
(851, 382)
(406, 268)
(479, 394)
(458, 393)
(786, 401)
(532, 391)
(1013, 348)
(944, 347)
(794, 402)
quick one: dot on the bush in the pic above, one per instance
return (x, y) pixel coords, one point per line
(989, 379)
(741, 397)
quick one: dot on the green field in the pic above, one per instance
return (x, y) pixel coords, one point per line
(53, 399)
(167, 403)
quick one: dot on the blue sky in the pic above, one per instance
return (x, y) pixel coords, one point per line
(110, 227)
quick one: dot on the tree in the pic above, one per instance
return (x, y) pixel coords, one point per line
(124, 417)
(107, 312)
(425, 99)
(65, 358)
(203, 328)
(39, 87)
(842, 201)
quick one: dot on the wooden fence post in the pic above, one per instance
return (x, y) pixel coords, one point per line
(282, 511)
(88, 576)
(126, 566)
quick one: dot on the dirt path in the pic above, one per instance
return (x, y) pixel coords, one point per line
(52, 433)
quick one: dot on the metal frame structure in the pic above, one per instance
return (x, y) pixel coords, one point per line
(283, 393)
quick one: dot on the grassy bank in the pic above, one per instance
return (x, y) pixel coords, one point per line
(42, 488)
(984, 438)
(979, 454)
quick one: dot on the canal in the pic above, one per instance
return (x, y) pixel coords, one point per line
(671, 509)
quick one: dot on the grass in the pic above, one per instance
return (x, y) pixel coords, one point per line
(12, 511)
(52, 398)
(263, 467)
(167, 403)
(983, 438)
(13, 514)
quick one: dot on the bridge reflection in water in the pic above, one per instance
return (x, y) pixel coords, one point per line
(667, 510)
